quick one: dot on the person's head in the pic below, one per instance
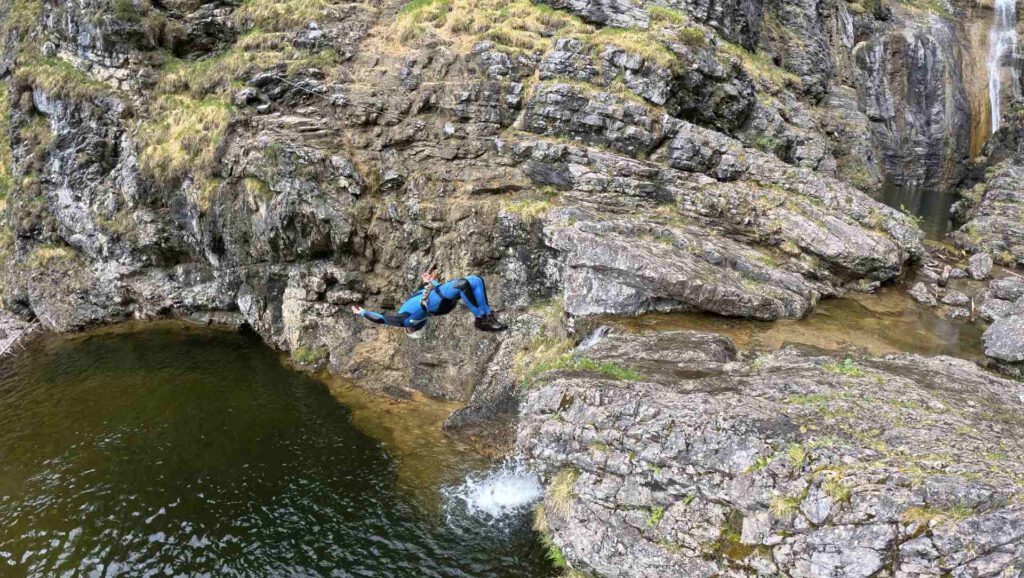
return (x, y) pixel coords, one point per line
(415, 332)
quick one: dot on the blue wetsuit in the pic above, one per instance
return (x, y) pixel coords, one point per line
(442, 299)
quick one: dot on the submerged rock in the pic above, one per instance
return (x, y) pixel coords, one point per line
(920, 293)
(792, 464)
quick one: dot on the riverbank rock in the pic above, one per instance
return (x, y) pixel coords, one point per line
(920, 293)
(793, 463)
(14, 333)
(980, 266)
(991, 210)
(1004, 339)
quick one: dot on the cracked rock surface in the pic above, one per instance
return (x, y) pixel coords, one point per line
(793, 463)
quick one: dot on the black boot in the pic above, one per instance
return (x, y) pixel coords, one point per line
(490, 323)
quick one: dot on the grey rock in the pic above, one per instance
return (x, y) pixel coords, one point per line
(923, 141)
(1004, 339)
(980, 266)
(1008, 288)
(991, 213)
(957, 313)
(597, 118)
(922, 294)
(992, 309)
(610, 269)
(956, 298)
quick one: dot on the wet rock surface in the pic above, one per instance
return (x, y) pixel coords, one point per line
(792, 463)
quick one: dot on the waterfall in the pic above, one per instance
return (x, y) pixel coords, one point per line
(1002, 42)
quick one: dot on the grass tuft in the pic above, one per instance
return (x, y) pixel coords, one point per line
(657, 514)
(183, 137)
(514, 26)
(562, 491)
(784, 507)
(797, 454)
(6, 155)
(60, 79)
(45, 256)
(284, 15)
(638, 42)
(847, 368)
(836, 489)
(760, 66)
(554, 553)
(927, 516)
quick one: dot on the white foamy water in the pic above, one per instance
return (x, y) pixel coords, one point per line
(1002, 44)
(509, 488)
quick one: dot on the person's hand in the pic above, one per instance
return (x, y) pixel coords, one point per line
(356, 310)
(428, 276)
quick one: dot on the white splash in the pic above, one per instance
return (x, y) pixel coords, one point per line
(507, 489)
(1002, 43)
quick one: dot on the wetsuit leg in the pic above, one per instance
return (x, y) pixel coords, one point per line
(480, 292)
(471, 291)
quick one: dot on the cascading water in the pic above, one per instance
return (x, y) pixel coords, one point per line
(1002, 44)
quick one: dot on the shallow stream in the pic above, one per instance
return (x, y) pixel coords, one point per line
(887, 321)
(197, 452)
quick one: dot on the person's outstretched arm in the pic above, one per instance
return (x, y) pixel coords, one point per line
(390, 320)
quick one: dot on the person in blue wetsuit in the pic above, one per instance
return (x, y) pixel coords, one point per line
(438, 298)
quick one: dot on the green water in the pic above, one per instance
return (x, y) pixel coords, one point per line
(197, 453)
(931, 207)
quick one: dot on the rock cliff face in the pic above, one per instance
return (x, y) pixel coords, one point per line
(911, 81)
(991, 213)
(273, 163)
(667, 456)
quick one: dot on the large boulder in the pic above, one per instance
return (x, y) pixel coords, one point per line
(666, 456)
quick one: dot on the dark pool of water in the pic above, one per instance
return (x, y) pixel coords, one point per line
(929, 205)
(174, 452)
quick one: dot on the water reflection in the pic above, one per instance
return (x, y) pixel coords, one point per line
(191, 452)
(930, 205)
(888, 321)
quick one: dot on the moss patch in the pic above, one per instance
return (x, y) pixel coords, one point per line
(60, 79)
(46, 256)
(6, 157)
(309, 355)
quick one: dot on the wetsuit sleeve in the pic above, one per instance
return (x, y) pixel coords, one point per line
(391, 320)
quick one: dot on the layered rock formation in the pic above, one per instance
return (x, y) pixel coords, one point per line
(991, 212)
(665, 455)
(272, 164)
